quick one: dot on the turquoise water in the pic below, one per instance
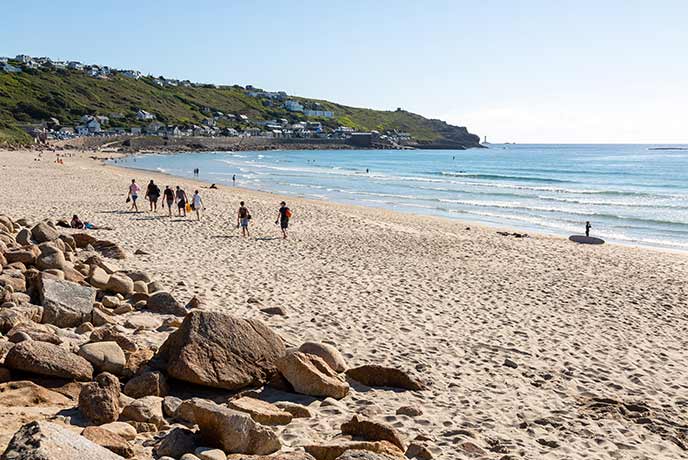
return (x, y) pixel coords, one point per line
(631, 193)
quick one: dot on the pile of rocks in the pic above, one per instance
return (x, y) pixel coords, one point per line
(68, 311)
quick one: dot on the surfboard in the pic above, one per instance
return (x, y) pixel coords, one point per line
(582, 239)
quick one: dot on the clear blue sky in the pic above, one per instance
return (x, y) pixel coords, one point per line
(523, 71)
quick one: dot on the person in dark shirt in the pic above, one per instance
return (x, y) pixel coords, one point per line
(243, 217)
(283, 218)
(153, 193)
(587, 228)
(169, 198)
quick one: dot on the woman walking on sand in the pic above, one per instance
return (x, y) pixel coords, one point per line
(134, 190)
(243, 216)
(283, 218)
(169, 198)
(197, 204)
(181, 197)
(153, 193)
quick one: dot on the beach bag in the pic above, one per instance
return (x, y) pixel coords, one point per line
(288, 213)
(128, 200)
(188, 207)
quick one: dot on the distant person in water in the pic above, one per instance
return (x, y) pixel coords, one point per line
(233, 179)
(367, 170)
(169, 199)
(134, 190)
(587, 228)
(182, 199)
(243, 217)
(153, 193)
(283, 218)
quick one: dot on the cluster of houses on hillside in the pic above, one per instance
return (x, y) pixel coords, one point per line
(215, 123)
(273, 98)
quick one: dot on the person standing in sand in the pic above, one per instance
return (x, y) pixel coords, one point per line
(181, 197)
(243, 216)
(197, 204)
(587, 228)
(169, 198)
(153, 193)
(283, 218)
(134, 190)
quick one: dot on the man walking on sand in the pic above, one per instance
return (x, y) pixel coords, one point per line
(243, 216)
(134, 190)
(153, 193)
(587, 228)
(181, 197)
(283, 218)
(169, 199)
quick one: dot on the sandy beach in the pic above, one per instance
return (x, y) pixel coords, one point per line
(532, 348)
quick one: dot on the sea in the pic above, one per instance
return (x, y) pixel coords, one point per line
(632, 194)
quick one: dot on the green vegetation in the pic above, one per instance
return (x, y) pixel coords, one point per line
(35, 96)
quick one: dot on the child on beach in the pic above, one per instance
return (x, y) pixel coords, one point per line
(197, 204)
(243, 216)
(134, 190)
(283, 218)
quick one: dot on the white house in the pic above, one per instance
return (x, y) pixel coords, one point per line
(318, 113)
(23, 58)
(93, 126)
(293, 106)
(154, 127)
(143, 115)
(9, 68)
(135, 74)
(75, 65)
(4, 60)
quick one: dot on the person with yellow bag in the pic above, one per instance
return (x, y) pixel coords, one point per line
(182, 202)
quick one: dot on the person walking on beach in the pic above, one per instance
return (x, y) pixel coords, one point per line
(169, 199)
(134, 190)
(587, 228)
(181, 197)
(283, 218)
(197, 204)
(153, 193)
(243, 216)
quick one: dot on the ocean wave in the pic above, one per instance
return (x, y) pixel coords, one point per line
(502, 177)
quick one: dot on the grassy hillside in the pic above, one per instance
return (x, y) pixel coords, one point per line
(37, 95)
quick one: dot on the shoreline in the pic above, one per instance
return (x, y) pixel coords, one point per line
(512, 229)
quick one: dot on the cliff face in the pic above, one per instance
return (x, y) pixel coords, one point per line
(451, 137)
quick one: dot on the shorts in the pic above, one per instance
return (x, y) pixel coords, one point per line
(284, 224)
(153, 198)
(134, 197)
(244, 222)
(170, 203)
(181, 204)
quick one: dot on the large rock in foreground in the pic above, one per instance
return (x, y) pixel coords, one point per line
(47, 359)
(65, 304)
(310, 375)
(99, 400)
(49, 441)
(218, 350)
(233, 431)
